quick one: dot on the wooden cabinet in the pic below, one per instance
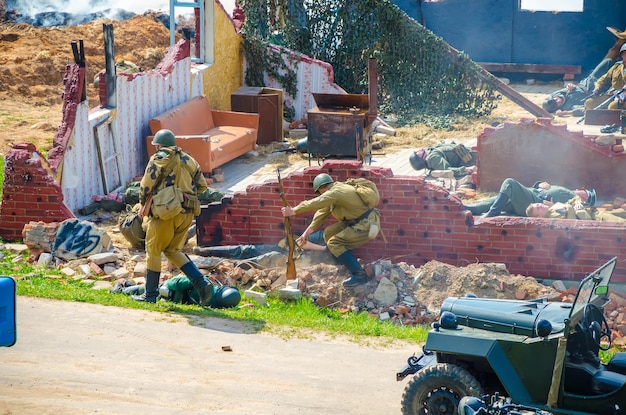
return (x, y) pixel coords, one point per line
(339, 126)
(268, 103)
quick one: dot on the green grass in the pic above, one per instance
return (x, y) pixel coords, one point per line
(288, 319)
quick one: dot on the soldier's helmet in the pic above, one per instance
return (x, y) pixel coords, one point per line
(418, 159)
(320, 180)
(550, 105)
(226, 297)
(165, 138)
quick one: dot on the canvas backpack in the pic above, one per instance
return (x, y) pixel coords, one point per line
(366, 190)
(130, 225)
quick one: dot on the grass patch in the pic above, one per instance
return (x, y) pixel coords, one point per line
(299, 319)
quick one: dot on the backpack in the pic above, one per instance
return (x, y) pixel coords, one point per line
(366, 190)
(130, 223)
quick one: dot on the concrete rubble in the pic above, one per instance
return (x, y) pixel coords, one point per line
(396, 292)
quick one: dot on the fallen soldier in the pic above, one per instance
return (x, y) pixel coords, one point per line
(514, 198)
(569, 211)
(454, 157)
(264, 256)
(571, 99)
(180, 289)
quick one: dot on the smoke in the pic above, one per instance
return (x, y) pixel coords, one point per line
(71, 12)
(31, 8)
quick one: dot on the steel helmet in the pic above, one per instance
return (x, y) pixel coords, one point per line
(418, 159)
(471, 405)
(165, 138)
(226, 297)
(320, 180)
(550, 105)
(591, 195)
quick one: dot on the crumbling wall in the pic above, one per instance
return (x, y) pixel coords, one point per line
(29, 193)
(537, 150)
(423, 222)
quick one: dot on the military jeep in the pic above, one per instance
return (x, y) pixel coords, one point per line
(539, 353)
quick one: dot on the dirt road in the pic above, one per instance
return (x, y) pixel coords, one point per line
(75, 358)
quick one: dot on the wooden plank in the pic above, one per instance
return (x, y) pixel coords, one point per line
(507, 91)
(530, 68)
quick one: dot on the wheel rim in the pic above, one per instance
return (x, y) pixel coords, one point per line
(441, 401)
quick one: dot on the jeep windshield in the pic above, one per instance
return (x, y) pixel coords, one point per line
(593, 289)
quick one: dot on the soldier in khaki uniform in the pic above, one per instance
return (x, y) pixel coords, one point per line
(358, 223)
(609, 84)
(569, 211)
(167, 166)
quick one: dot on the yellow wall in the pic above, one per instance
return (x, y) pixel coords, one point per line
(225, 75)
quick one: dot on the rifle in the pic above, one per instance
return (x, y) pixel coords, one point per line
(291, 243)
(604, 103)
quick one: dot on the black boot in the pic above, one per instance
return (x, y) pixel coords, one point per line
(204, 288)
(151, 289)
(497, 206)
(481, 206)
(358, 273)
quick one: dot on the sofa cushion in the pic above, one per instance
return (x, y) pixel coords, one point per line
(189, 118)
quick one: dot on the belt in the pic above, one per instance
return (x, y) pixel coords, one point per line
(351, 222)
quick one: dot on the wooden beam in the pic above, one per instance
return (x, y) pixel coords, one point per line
(507, 91)
(530, 68)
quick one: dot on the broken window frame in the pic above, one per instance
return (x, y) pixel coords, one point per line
(205, 38)
(555, 6)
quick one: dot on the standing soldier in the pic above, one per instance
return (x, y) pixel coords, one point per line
(359, 222)
(170, 166)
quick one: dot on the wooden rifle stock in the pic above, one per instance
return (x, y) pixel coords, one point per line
(291, 243)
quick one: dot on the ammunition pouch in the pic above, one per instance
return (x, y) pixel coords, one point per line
(191, 203)
(463, 153)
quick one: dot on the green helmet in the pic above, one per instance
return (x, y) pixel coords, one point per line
(225, 297)
(165, 138)
(320, 180)
(417, 159)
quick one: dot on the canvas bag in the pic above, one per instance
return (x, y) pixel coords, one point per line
(366, 190)
(130, 225)
(167, 203)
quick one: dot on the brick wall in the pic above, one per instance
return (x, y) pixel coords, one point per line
(537, 150)
(423, 222)
(29, 193)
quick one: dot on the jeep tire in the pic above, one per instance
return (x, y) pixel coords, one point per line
(437, 390)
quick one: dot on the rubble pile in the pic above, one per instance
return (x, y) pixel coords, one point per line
(396, 291)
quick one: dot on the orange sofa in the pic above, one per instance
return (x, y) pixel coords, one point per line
(211, 137)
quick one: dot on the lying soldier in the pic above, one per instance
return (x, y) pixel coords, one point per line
(514, 198)
(454, 157)
(569, 211)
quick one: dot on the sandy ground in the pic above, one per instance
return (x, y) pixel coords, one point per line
(74, 358)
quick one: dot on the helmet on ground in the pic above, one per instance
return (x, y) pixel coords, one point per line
(418, 159)
(471, 405)
(164, 138)
(591, 195)
(226, 297)
(623, 48)
(320, 180)
(549, 104)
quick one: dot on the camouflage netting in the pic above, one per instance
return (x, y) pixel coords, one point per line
(420, 77)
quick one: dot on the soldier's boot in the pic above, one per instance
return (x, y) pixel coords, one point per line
(480, 207)
(151, 291)
(204, 288)
(358, 275)
(497, 206)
